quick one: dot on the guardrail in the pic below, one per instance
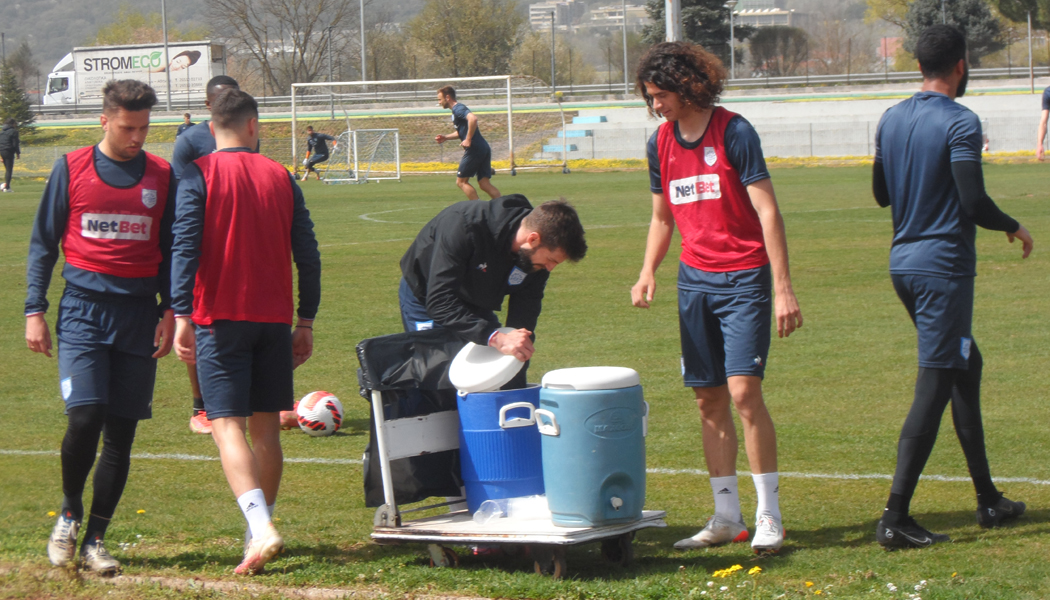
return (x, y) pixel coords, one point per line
(544, 92)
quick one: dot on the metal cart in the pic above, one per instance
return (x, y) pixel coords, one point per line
(412, 364)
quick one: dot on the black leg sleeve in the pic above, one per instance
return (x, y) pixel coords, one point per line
(111, 474)
(78, 454)
(966, 415)
(933, 390)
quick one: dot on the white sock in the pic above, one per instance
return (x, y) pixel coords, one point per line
(767, 487)
(253, 505)
(727, 498)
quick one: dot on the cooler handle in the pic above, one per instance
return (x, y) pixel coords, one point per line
(517, 421)
(645, 420)
(551, 428)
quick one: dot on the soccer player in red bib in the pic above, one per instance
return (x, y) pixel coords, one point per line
(240, 221)
(111, 208)
(708, 177)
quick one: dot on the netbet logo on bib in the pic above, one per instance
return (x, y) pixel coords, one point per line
(695, 188)
(115, 227)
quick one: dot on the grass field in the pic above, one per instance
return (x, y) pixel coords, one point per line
(838, 390)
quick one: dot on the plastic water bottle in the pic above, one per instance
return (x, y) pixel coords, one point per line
(490, 510)
(528, 508)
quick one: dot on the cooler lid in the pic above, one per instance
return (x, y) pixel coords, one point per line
(483, 368)
(591, 378)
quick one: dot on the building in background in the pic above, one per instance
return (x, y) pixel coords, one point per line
(605, 19)
(566, 13)
(763, 13)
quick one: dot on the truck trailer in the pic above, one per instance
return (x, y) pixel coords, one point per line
(79, 77)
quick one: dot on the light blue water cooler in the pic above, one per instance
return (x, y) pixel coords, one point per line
(592, 422)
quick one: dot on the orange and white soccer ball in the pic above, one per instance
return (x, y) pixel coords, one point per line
(320, 414)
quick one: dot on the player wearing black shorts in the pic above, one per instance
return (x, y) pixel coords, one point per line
(477, 154)
(316, 150)
(928, 170)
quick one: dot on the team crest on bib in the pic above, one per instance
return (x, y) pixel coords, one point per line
(149, 198)
(516, 277)
(709, 156)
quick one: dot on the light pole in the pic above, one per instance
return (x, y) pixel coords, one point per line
(732, 40)
(1031, 66)
(331, 96)
(554, 86)
(167, 59)
(673, 20)
(623, 7)
(364, 70)
(944, 15)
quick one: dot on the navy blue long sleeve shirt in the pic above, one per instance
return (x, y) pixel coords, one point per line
(50, 226)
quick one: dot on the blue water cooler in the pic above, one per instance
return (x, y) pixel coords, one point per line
(593, 423)
(499, 445)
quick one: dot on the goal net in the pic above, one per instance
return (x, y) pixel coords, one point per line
(515, 115)
(363, 155)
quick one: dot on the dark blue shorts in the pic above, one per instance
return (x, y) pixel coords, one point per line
(724, 321)
(942, 310)
(105, 352)
(244, 368)
(315, 160)
(476, 163)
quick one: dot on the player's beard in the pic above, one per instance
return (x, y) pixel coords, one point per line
(525, 261)
(961, 90)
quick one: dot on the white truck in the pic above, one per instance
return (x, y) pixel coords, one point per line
(79, 77)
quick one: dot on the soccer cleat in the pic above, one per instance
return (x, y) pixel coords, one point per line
(718, 531)
(1003, 510)
(260, 551)
(199, 423)
(289, 418)
(908, 534)
(95, 557)
(62, 545)
(769, 534)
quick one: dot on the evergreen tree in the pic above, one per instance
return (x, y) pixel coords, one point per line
(705, 22)
(14, 103)
(971, 16)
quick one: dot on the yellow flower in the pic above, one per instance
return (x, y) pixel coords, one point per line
(755, 570)
(52, 513)
(141, 511)
(955, 573)
(809, 584)
(819, 592)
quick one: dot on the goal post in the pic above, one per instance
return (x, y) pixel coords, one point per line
(522, 136)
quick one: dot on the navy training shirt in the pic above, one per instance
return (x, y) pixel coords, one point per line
(1046, 99)
(917, 141)
(195, 142)
(50, 226)
(183, 127)
(743, 149)
(315, 143)
(459, 119)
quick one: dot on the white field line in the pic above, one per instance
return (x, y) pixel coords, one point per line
(653, 471)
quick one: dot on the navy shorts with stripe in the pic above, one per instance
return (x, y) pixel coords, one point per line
(105, 352)
(724, 321)
(942, 310)
(315, 160)
(244, 367)
(476, 163)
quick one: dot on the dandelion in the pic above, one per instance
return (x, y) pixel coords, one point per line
(818, 592)
(755, 570)
(809, 584)
(955, 573)
(141, 511)
(52, 513)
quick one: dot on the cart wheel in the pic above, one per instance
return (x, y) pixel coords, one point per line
(552, 562)
(619, 550)
(565, 170)
(386, 517)
(513, 172)
(441, 556)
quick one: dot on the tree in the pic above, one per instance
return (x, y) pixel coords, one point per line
(705, 22)
(468, 37)
(25, 67)
(983, 35)
(135, 27)
(538, 45)
(1018, 10)
(891, 11)
(287, 40)
(14, 102)
(779, 51)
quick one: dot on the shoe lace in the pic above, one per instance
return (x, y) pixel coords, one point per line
(64, 532)
(768, 525)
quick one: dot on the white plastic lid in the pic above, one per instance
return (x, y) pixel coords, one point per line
(591, 378)
(483, 368)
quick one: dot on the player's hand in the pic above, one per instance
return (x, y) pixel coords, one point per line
(185, 341)
(38, 336)
(465, 144)
(1039, 152)
(789, 316)
(440, 139)
(302, 344)
(1026, 240)
(642, 292)
(163, 337)
(517, 343)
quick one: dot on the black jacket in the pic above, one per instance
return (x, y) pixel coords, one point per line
(461, 267)
(9, 139)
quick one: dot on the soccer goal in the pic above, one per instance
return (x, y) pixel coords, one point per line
(363, 155)
(515, 114)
